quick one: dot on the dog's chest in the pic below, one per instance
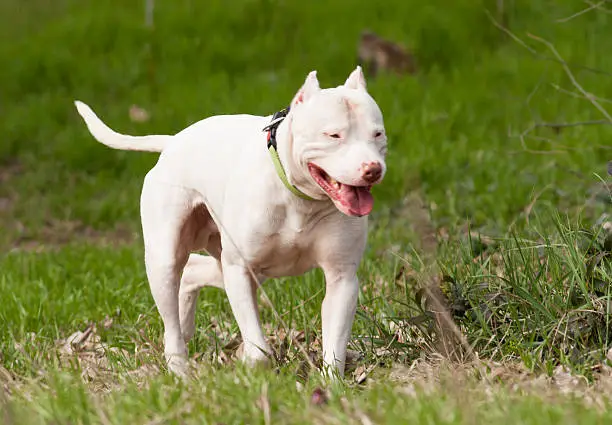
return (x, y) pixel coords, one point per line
(288, 245)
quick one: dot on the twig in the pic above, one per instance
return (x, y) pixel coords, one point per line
(532, 93)
(540, 56)
(598, 7)
(529, 207)
(582, 12)
(570, 124)
(537, 152)
(558, 126)
(577, 95)
(510, 33)
(569, 73)
(554, 142)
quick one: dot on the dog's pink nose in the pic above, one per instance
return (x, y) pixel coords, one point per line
(371, 171)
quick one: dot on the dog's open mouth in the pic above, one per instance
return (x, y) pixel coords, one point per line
(351, 200)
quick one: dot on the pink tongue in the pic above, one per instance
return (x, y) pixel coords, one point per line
(355, 200)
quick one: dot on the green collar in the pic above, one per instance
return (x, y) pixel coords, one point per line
(283, 176)
(277, 118)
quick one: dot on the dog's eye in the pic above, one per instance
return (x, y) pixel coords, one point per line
(377, 134)
(333, 135)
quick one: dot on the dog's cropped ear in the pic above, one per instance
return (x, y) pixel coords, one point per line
(356, 80)
(310, 87)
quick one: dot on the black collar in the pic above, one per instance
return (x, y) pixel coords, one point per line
(271, 128)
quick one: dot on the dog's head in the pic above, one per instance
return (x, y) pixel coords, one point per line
(338, 142)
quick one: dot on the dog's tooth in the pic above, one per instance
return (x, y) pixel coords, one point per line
(334, 183)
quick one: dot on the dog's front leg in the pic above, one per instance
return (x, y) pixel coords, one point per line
(241, 288)
(338, 312)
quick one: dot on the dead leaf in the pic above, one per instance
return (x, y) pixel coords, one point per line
(108, 322)
(361, 373)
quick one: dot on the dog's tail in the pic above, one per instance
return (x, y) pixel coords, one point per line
(105, 135)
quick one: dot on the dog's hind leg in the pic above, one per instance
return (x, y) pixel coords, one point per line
(200, 271)
(164, 212)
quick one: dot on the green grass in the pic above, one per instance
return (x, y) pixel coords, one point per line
(535, 291)
(276, 400)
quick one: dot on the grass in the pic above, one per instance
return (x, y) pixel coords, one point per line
(518, 218)
(167, 402)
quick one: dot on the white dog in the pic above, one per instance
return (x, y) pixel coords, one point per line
(265, 197)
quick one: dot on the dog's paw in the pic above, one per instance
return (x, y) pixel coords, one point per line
(177, 364)
(253, 355)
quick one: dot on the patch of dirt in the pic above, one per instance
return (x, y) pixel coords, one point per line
(432, 375)
(10, 170)
(53, 233)
(94, 358)
(58, 233)
(106, 368)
